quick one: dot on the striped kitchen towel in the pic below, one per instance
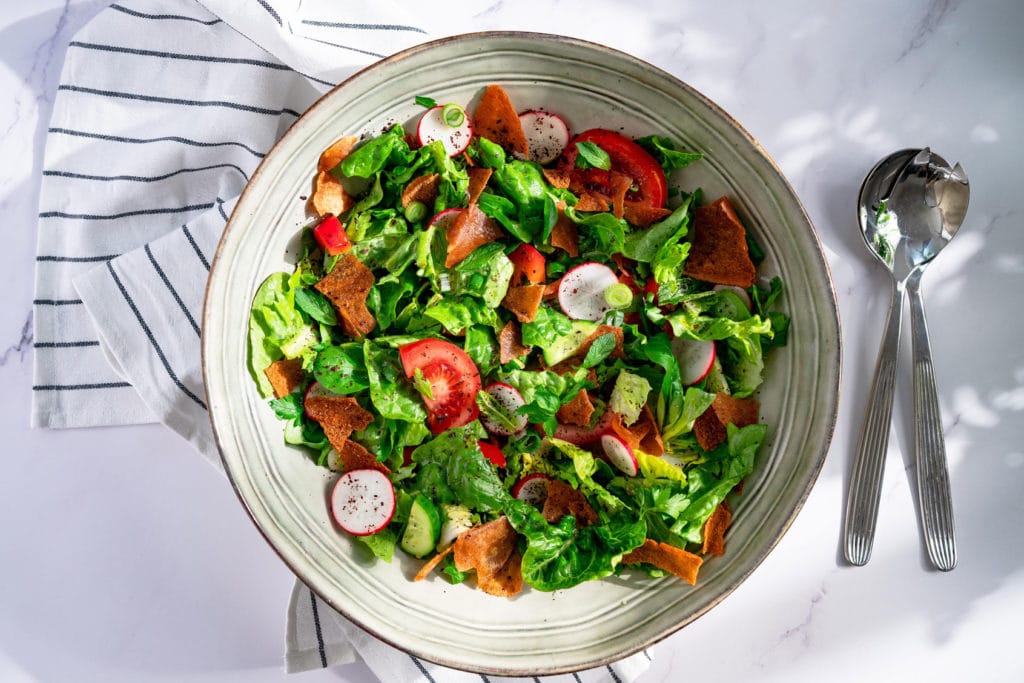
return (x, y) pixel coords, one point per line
(164, 110)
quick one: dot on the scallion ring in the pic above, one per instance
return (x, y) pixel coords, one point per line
(453, 115)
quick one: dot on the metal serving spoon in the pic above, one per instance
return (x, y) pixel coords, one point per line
(910, 206)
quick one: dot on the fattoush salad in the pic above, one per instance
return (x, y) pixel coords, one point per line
(528, 358)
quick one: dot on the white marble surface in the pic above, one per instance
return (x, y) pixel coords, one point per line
(125, 558)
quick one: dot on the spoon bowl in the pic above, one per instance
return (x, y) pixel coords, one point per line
(911, 205)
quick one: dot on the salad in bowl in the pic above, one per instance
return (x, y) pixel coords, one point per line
(530, 360)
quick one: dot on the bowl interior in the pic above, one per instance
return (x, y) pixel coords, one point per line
(286, 494)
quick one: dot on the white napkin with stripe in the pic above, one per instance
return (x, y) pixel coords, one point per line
(164, 110)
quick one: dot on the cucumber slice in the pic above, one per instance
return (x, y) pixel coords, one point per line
(564, 346)
(730, 305)
(422, 529)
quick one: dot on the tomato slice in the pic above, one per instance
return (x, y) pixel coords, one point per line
(453, 378)
(492, 453)
(528, 264)
(627, 157)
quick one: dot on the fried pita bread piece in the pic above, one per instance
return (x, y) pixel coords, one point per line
(557, 177)
(641, 435)
(523, 301)
(564, 235)
(490, 549)
(680, 562)
(718, 249)
(643, 215)
(329, 197)
(285, 376)
(710, 426)
(478, 178)
(338, 411)
(336, 153)
(346, 287)
(578, 411)
(620, 186)
(715, 528)
(564, 500)
(510, 343)
(473, 228)
(590, 202)
(421, 189)
(428, 567)
(496, 119)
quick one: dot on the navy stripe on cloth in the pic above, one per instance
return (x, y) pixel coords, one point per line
(79, 387)
(319, 632)
(125, 214)
(145, 141)
(177, 100)
(179, 17)
(152, 340)
(178, 55)
(171, 289)
(64, 344)
(74, 259)
(141, 179)
(367, 27)
(347, 47)
(423, 669)
(57, 302)
(271, 11)
(192, 241)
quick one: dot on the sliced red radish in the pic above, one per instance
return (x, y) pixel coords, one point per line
(449, 124)
(509, 398)
(581, 436)
(620, 454)
(546, 134)
(695, 358)
(316, 390)
(532, 489)
(738, 291)
(492, 453)
(444, 219)
(363, 501)
(581, 291)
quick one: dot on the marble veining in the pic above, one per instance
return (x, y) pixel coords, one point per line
(155, 573)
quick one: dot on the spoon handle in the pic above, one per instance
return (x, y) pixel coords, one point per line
(866, 477)
(934, 495)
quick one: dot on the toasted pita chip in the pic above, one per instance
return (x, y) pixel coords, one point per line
(643, 215)
(429, 566)
(590, 202)
(510, 343)
(421, 189)
(578, 411)
(346, 287)
(620, 186)
(337, 437)
(651, 442)
(715, 528)
(473, 228)
(478, 178)
(338, 411)
(564, 500)
(495, 119)
(354, 456)
(557, 177)
(523, 301)
(710, 426)
(551, 289)
(680, 562)
(718, 247)
(628, 434)
(506, 581)
(285, 376)
(329, 197)
(565, 235)
(336, 153)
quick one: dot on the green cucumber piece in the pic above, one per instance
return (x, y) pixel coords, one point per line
(566, 345)
(422, 529)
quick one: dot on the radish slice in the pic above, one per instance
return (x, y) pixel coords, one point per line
(532, 489)
(581, 436)
(433, 127)
(546, 134)
(509, 398)
(363, 501)
(581, 291)
(620, 454)
(695, 358)
(444, 219)
(738, 291)
(315, 390)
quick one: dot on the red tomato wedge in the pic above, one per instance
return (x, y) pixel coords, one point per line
(528, 264)
(454, 381)
(628, 158)
(492, 453)
(331, 236)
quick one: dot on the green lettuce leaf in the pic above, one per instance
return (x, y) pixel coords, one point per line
(392, 395)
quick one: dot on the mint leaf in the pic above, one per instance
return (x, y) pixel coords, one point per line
(592, 156)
